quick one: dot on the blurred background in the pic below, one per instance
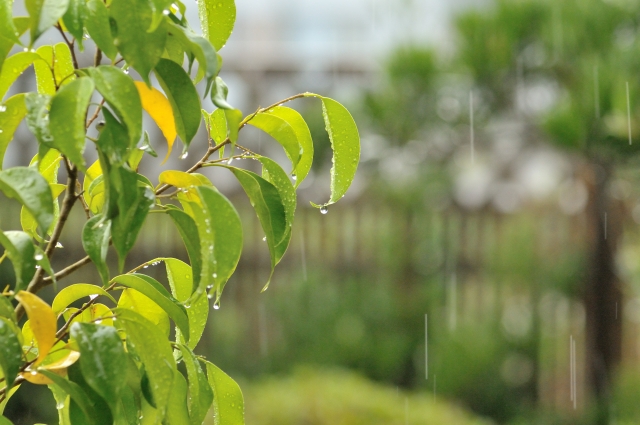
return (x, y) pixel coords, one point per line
(483, 268)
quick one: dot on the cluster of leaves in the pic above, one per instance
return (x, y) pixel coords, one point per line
(117, 363)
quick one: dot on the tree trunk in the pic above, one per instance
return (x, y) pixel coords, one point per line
(603, 294)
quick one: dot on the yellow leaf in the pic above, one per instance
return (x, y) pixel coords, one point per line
(158, 107)
(42, 322)
(58, 367)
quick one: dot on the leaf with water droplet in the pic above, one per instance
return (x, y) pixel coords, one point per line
(78, 395)
(228, 409)
(74, 19)
(102, 359)
(74, 292)
(282, 132)
(44, 14)
(201, 394)
(95, 241)
(14, 111)
(217, 18)
(158, 294)
(7, 27)
(196, 47)
(154, 350)
(180, 276)
(42, 320)
(31, 189)
(10, 351)
(142, 49)
(13, 67)
(21, 251)
(345, 142)
(67, 115)
(146, 307)
(99, 28)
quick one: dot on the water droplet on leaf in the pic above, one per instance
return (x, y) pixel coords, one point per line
(324, 209)
(38, 257)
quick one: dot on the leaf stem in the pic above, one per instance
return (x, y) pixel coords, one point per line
(261, 110)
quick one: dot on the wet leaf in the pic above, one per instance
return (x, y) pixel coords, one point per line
(201, 395)
(21, 251)
(154, 351)
(74, 19)
(303, 135)
(146, 307)
(158, 107)
(189, 232)
(13, 67)
(74, 292)
(228, 402)
(42, 320)
(183, 180)
(63, 359)
(10, 352)
(177, 411)
(195, 46)
(102, 359)
(216, 123)
(181, 283)
(31, 190)
(13, 113)
(38, 117)
(99, 28)
(122, 96)
(7, 27)
(55, 68)
(222, 219)
(95, 241)
(217, 18)
(345, 142)
(68, 110)
(183, 97)
(158, 294)
(140, 48)
(44, 14)
(282, 132)
(78, 395)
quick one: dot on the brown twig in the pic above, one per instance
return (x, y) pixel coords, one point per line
(95, 114)
(71, 45)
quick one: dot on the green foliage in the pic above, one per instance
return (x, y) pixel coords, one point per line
(116, 363)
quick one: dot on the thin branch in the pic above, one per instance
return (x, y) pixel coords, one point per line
(71, 46)
(68, 270)
(200, 163)
(70, 198)
(261, 110)
(95, 114)
(98, 57)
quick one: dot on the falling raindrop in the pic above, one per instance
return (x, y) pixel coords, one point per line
(184, 155)
(324, 209)
(38, 257)
(628, 113)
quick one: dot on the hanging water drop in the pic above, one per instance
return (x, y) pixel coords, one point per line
(209, 296)
(264, 239)
(215, 275)
(216, 305)
(209, 287)
(59, 245)
(146, 266)
(324, 209)
(38, 257)
(60, 405)
(165, 12)
(33, 372)
(294, 177)
(230, 160)
(3, 108)
(184, 155)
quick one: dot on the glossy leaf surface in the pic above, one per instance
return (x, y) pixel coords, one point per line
(217, 18)
(158, 107)
(31, 189)
(74, 292)
(42, 320)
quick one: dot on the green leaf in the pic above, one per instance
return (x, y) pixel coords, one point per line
(303, 135)
(74, 19)
(269, 208)
(140, 48)
(189, 233)
(102, 358)
(181, 283)
(183, 97)
(74, 292)
(217, 18)
(275, 174)
(345, 142)
(103, 414)
(78, 395)
(219, 93)
(122, 96)
(95, 241)
(158, 294)
(11, 114)
(7, 309)
(21, 251)
(155, 353)
(158, 7)
(201, 395)
(5, 421)
(7, 27)
(31, 190)
(228, 403)
(216, 123)
(282, 132)
(67, 115)
(177, 411)
(226, 227)
(195, 46)
(99, 28)
(44, 14)
(13, 67)
(113, 140)
(10, 352)
(234, 117)
(55, 68)
(38, 116)
(147, 308)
